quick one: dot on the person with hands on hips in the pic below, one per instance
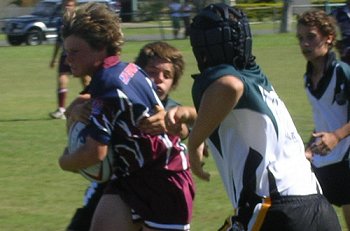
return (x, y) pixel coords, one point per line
(258, 151)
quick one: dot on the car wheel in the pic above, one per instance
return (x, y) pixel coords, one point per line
(15, 40)
(34, 37)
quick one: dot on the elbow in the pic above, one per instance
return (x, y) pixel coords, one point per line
(64, 164)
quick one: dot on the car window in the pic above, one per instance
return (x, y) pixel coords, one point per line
(45, 9)
(113, 5)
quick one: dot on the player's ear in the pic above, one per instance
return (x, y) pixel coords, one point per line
(330, 39)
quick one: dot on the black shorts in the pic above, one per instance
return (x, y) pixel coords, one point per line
(63, 65)
(82, 218)
(335, 182)
(299, 213)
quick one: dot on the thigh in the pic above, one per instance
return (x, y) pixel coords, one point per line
(112, 213)
(161, 199)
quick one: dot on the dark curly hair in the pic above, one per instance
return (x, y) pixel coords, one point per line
(325, 23)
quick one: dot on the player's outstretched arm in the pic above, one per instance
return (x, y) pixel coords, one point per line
(217, 101)
(156, 124)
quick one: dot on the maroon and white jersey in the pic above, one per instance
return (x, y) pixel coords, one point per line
(122, 96)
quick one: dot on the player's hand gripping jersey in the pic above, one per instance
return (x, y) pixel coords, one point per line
(122, 96)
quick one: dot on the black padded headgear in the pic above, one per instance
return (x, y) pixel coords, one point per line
(220, 34)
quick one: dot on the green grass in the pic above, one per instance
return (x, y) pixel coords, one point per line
(36, 195)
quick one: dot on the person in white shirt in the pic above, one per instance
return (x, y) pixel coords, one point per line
(175, 14)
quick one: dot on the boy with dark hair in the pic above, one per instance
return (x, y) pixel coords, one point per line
(327, 87)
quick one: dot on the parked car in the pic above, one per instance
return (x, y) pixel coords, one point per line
(40, 25)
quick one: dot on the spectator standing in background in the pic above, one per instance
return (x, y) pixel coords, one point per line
(175, 15)
(187, 9)
(63, 68)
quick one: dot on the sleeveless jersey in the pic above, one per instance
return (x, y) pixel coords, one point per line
(257, 148)
(330, 106)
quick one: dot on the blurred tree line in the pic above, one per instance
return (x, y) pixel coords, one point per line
(146, 10)
(23, 3)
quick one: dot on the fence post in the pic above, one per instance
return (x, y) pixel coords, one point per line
(161, 28)
(286, 17)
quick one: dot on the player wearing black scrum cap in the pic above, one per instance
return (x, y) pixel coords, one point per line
(251, 135)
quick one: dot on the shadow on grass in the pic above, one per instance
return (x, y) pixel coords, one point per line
(26, 119)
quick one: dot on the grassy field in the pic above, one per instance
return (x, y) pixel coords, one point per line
(36, 195)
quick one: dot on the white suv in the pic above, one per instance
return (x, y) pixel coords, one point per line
(41, 24)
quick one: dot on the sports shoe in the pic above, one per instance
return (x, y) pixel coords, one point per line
(57, 115)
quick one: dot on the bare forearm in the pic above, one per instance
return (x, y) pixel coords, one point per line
(342, 132)
(185, 132)
(87, 155)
